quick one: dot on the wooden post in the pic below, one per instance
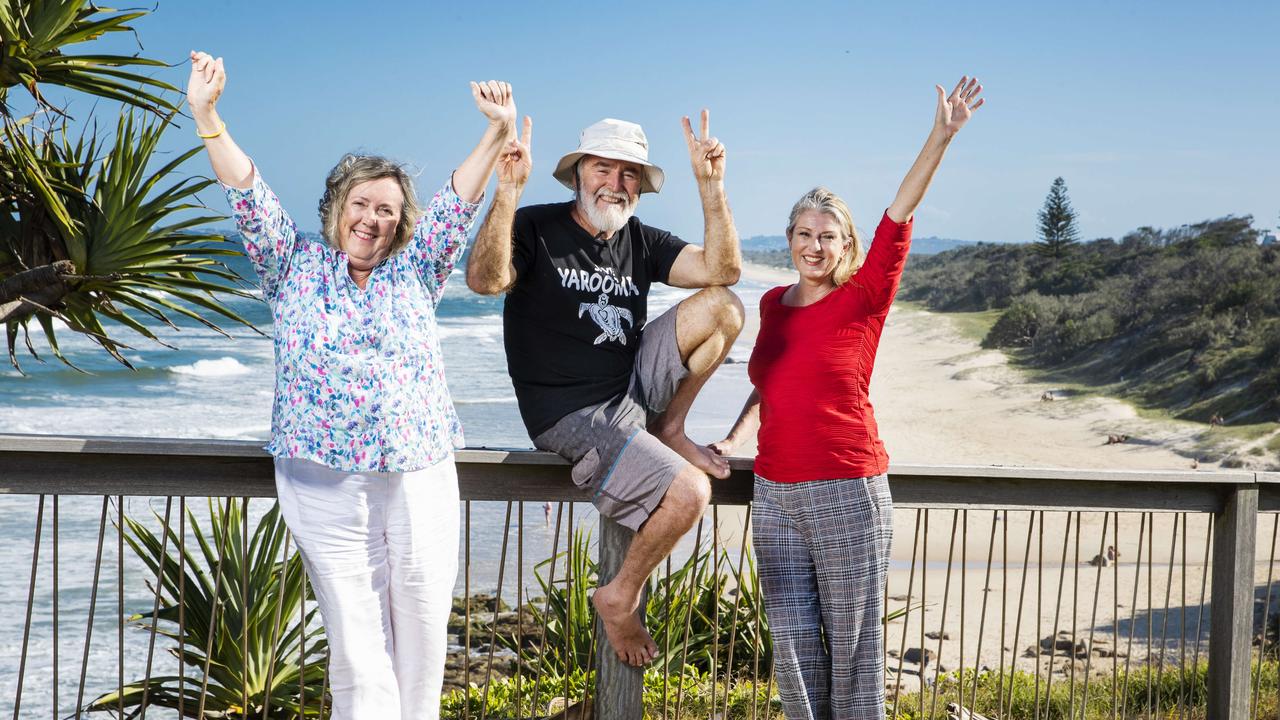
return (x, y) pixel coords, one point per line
(619, 687)
(1231, 608)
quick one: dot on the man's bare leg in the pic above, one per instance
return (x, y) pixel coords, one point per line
(684, 502)
(707, 323)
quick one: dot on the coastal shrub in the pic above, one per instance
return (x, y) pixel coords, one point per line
(1019, 325)
(233, 608)
(1182, 319)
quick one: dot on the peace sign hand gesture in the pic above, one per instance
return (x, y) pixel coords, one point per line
(706, 154)
(516, 161)
(954, 110)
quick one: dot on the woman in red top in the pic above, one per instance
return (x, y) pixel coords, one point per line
(822, 513)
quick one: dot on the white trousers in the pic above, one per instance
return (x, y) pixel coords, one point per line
(381, 551)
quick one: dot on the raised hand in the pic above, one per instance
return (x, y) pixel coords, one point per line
(516, 161)
(495, 99)
(707, 153)
(954, 110)
(205, 85)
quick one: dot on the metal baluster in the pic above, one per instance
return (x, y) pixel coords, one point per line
(1017, 623)
(1057, 610)
(1075, 613)
(715, 608)
(221, 539)
(737, 603)
(1093, 619)
(906, 617)
(155, 606)
(1133, 613)
(546, 607)
(1266, 611)
(31, 599)
(1168, 595)
(519, 604)
(466, 615)
(93, 604)
(982, 616)
(275, 628)
(497, 605)
(924, 593)
(942, 623)
(688, 616)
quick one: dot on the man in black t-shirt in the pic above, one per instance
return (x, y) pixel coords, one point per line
(597, 382)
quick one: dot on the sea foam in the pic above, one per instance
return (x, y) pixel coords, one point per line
(222, 367)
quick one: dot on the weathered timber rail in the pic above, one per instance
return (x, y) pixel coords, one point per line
(106, 467)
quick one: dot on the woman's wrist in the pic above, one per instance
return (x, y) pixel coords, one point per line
(207, 120)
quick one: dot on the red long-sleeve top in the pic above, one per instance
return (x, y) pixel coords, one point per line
(812, 367)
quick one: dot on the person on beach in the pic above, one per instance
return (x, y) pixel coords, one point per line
(596, 381)
(823, 517)
(363, 429)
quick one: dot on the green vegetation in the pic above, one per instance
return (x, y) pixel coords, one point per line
(89, 229)
(1186, 320)
(233, 610)
(687, 694)
(1141, 692)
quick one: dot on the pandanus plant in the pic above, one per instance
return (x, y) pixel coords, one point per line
(89, 229)
(236, 610)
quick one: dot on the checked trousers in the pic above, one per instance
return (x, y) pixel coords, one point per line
(822, 552)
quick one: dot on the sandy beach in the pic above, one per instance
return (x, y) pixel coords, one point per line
(941, 399)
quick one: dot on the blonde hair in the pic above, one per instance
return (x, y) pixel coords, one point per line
(353, 170)
(825, 201)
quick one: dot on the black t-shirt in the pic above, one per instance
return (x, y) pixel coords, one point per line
(572, 322)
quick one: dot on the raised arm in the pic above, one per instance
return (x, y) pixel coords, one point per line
(496, 101)
(719, 260)
(953, 112)
(204, 87)
(490, 270)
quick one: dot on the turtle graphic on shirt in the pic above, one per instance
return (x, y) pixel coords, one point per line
(608, 317)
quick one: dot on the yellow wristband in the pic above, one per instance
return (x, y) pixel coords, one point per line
(222, 126)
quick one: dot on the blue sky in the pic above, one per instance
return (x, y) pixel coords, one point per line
(1155, 114)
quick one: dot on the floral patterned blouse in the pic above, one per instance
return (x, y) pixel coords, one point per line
(359, 373)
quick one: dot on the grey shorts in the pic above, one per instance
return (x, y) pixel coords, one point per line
(627, 470)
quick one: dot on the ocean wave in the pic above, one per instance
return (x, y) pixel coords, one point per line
(503, 400)
(222, 367)
(484, 327)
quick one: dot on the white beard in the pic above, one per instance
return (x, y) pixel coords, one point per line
(608, 219)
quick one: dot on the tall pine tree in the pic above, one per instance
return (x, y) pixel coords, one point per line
(1057, 222)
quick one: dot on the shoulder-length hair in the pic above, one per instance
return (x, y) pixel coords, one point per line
(825, 201)
(353, 170)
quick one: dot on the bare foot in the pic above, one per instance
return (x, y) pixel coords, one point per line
(700, 456)
(626, 633)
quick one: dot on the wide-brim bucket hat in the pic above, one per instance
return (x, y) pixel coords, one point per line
(615, 140)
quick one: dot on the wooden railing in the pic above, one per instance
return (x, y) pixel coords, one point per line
(47, 466)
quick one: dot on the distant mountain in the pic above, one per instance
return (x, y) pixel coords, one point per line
(764, 242)
(919, 246)
(933, 245)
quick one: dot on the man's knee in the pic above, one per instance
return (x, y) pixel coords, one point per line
(691, 489)
(716, 310)
(727, 308)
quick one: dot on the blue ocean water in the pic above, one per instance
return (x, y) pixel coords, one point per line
(213, 386)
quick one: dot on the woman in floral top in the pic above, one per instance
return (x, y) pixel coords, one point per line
(363, 429)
